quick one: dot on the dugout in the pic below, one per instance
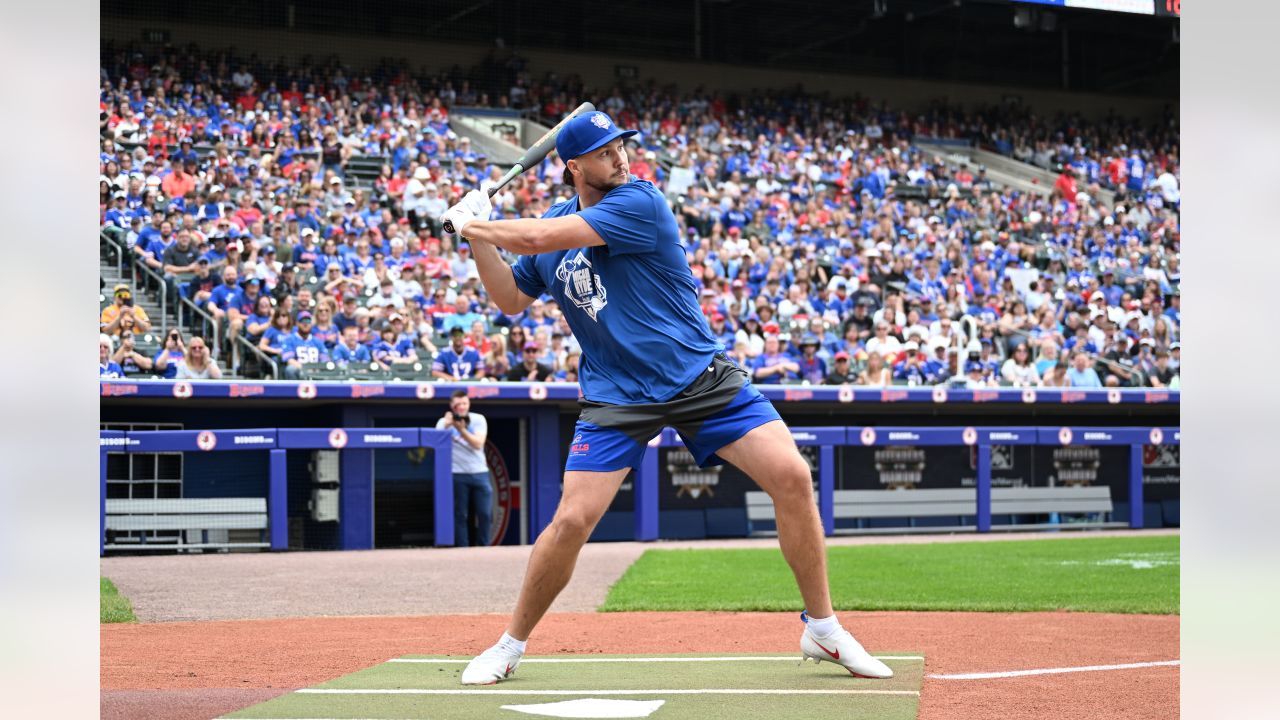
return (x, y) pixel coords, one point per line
(388, 503)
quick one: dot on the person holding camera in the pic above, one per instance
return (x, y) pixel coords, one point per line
(110, 321)
(128, 357)
(472, 493)
(166, 361)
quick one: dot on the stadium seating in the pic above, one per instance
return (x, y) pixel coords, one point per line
(835, 193)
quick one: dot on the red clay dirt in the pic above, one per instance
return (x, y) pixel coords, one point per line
(199, 670)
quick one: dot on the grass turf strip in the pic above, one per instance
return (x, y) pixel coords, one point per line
(822, 690)
(112, 606)
(1114, 574)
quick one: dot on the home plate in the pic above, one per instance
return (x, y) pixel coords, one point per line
(591, 708)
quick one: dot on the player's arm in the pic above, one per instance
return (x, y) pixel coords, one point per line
(496, 276)
(533, 236)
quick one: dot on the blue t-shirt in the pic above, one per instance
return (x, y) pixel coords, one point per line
(387, 351)
(170, 370)
(632, 303)
(460, 365)
(224, 296)
(308, 350)
(1088, 378)
(345, 356)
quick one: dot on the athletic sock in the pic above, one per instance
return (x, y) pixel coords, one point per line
(515, 644)
(823, 627)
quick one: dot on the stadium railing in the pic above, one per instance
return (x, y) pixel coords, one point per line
(156, 278)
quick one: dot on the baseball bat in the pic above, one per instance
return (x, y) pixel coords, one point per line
(534, 154)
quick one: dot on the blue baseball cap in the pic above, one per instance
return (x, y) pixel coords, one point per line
(587, 132)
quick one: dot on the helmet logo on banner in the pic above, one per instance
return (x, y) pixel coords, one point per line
(939, 394)
(206, 440)
(845, 394)
(337, 438)
(970, 435)
(1157, 436)
(1064, 436)
(1029, 395)
(1113, 396)
(425, 391)
(537, 391)
(868, 436)
(306, 390)
(182, 389)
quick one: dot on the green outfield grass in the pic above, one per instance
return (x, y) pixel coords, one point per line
(1117, 574)
(112, 606)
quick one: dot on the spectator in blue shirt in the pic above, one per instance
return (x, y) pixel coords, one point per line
(272, 342)
(458, 362)
(393, 350)
(912, 366)
(812, 367)
(1081, 373)
(463, 316)
(722, 332)
(106, 367)
(170, 356)
(302, 347)
(350, 350)
(773, 366)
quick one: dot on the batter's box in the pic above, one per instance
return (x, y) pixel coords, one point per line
(663, 687)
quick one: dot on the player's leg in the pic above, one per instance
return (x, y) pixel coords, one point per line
(586, 497)
(769, 456)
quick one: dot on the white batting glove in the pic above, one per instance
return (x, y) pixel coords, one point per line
(458, 216)
(477, 201)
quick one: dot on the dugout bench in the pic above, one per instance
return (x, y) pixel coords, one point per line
(208, 523)
(980, 502)
(948, 502)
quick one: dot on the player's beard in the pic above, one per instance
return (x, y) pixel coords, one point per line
(604, 185)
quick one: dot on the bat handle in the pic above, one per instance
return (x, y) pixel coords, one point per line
(493, 190)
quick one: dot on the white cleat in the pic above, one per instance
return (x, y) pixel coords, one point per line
(492, 666)
(842, 649)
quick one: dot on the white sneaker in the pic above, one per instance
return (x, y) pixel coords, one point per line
(842, 649)
(491, 666)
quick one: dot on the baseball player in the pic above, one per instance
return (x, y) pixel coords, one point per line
(612, 259)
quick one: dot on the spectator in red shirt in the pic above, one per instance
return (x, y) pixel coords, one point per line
(180, 181)
(1066, 184)
(246, 214)
(433, 262)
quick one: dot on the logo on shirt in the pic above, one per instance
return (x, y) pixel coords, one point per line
(582, 286)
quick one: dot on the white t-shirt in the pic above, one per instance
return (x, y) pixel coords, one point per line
(466, 458)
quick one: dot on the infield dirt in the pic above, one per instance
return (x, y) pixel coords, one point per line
(203, 669)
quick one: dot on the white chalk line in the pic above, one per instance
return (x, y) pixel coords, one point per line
(659, 691)
(1054, 671)
(734, 658)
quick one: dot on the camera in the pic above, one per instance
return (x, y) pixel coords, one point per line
(464, 419)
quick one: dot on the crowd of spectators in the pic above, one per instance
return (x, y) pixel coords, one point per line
(827, 247)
